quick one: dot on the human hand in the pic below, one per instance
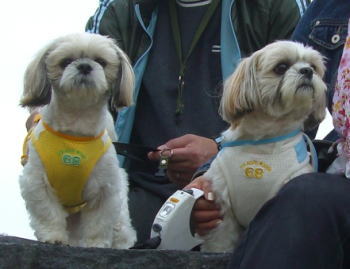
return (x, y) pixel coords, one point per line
(206, 213)
(188, 153)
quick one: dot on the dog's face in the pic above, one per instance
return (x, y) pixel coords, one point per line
(282, 80)
(83, 66)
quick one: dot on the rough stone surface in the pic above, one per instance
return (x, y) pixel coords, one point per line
(22, 253)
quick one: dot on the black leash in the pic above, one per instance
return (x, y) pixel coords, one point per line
(152, 243)
(133, 151)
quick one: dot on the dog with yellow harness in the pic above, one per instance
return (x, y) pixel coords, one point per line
(72, 185)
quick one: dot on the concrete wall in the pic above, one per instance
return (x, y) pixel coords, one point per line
(22, 253)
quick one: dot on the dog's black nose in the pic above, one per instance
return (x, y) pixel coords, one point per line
(84, 68)
(307, 72)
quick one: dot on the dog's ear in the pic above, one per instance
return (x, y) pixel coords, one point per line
(37, 86)
(239, 93)
(122, 89)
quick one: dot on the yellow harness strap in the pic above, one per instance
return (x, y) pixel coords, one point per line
(24, 157)
(69, 161)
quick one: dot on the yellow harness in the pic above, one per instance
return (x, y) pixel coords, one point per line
(68, 161)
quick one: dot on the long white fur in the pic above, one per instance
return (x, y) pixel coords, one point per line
(78, 106)
(258, 103)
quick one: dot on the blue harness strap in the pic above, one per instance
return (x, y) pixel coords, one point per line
(300, 148)
(236, 143)
(314, 158)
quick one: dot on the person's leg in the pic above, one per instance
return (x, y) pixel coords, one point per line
(143, 207)
(305, 226)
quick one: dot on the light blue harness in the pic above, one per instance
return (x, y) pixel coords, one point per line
(300, 148)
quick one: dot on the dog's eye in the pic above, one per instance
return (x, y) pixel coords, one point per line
(65, 62)
(281, 68)
(102, 62)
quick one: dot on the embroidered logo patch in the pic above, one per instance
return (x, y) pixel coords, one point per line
(71, 160)
(255, 169)
(71, 157)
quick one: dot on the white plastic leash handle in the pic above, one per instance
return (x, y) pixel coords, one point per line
(172, 223)
(197, 193)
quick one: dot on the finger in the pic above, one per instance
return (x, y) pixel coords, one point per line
(180, 146)
(208, 190)
(196, 183)
(179, 142)
(207, 215)
(202, 204)
(153, 155)
(180, 155)
(203, 228)
(203, 184)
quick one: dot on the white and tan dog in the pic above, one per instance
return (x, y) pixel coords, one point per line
(72, 185)
(271, 97)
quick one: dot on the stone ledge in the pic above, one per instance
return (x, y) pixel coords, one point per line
(23, 253)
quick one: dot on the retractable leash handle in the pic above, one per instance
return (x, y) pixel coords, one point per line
(172, 223)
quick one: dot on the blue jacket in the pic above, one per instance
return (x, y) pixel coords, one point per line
(324, 27)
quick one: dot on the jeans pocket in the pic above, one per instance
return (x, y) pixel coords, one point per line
(329, 34)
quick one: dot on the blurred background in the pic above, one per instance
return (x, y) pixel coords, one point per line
(27, 26)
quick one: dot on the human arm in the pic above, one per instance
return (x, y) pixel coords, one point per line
(189, 153)
(284, 17)
(118, 20)
(107, 20)
(206, 214)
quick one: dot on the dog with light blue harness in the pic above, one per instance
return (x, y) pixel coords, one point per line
(272, 97)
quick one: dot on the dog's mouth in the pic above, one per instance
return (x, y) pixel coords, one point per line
(305, 86)
(80, 83)
(84, 81)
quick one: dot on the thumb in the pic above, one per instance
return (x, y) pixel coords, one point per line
(204, 184)
(207, 189)
(179, 142)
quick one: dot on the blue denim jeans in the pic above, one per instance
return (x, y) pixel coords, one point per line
(324, 27)
(306, 226)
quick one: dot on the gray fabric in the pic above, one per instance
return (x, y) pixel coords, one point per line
(143, 207)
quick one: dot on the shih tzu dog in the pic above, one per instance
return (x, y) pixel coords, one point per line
(273, 96)
(72, 185)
